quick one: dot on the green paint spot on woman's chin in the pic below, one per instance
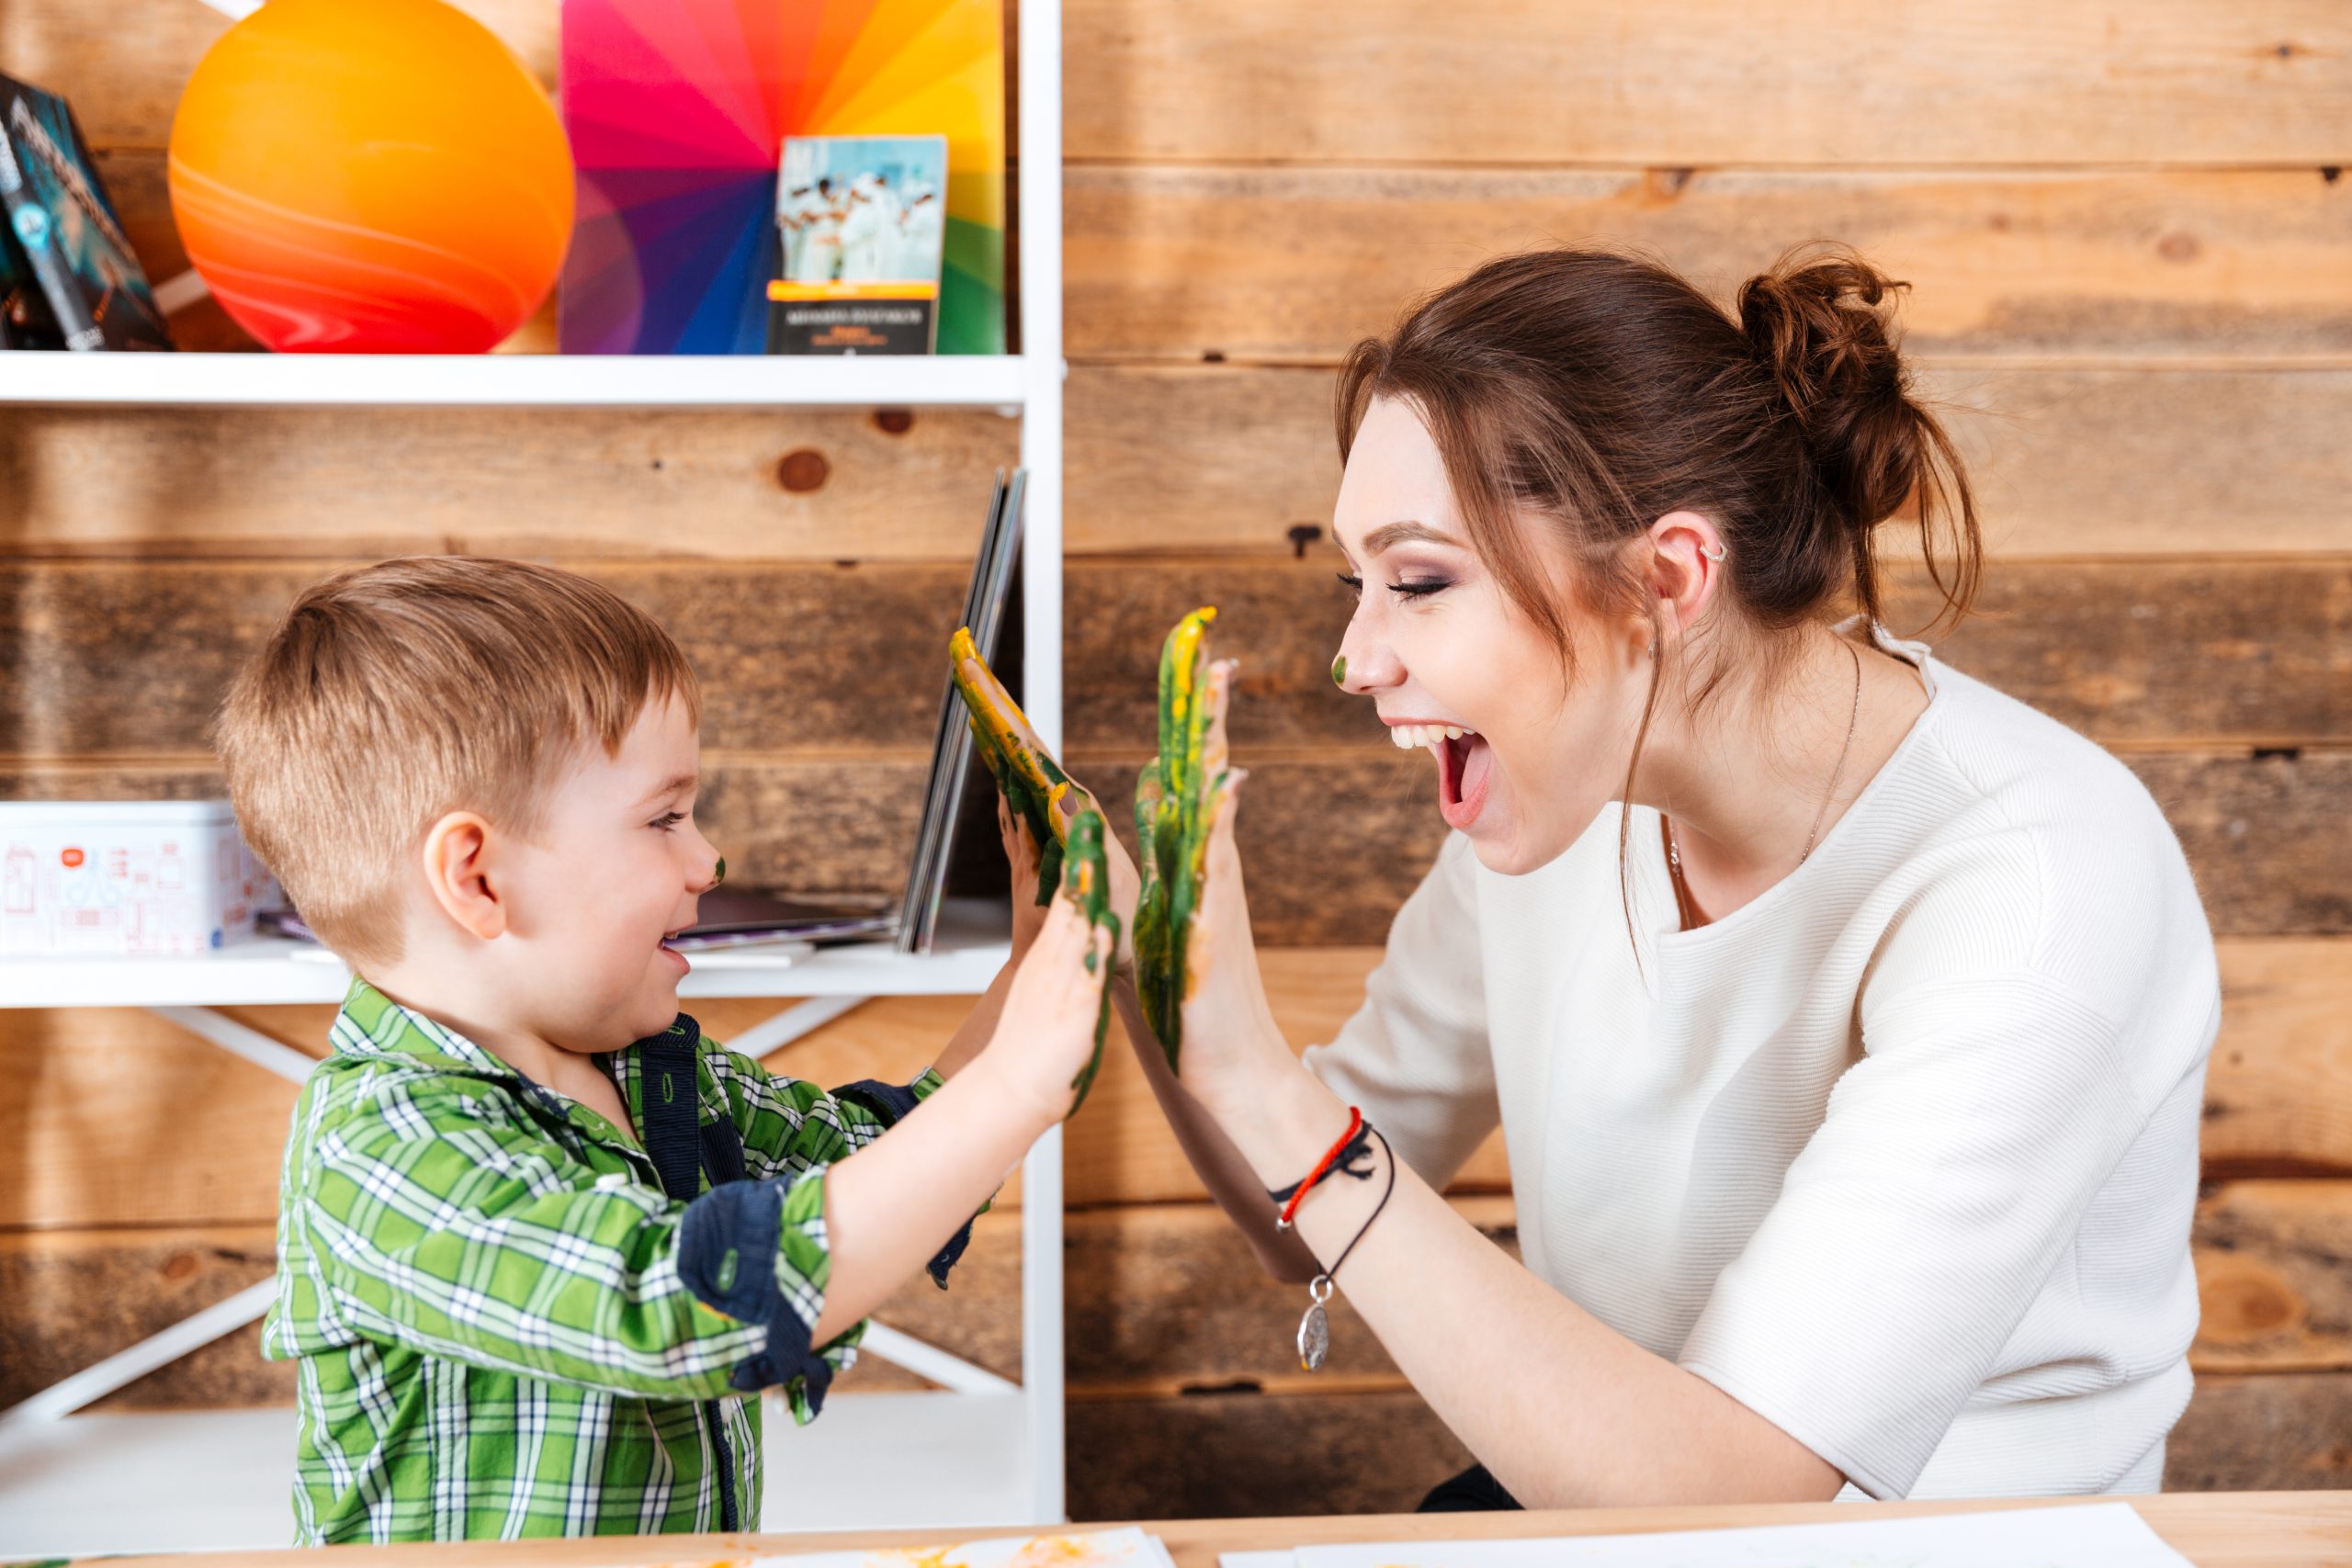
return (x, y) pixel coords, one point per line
(1339, 671)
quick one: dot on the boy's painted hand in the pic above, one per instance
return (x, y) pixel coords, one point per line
(1032, 791)
(1021, 855)
(1051, 1035)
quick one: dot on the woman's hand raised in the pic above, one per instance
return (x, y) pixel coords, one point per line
(1230, 1041)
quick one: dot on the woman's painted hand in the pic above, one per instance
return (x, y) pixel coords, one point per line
(1231, 1041)
(1126, 886)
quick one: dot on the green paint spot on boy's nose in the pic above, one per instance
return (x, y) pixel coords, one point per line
(1339, 671)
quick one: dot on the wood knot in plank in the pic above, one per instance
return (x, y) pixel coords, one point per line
(803, 471)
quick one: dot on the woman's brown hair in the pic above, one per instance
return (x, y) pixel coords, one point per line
(1598, 392)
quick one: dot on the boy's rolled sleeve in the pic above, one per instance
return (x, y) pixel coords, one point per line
(756, 1251)
(790, 1125)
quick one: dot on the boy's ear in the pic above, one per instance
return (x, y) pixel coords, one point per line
(457, 868)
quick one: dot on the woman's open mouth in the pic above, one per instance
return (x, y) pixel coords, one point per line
(1466, 767)
(672, 954)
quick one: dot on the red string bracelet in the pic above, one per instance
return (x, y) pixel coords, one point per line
(1295, 1195)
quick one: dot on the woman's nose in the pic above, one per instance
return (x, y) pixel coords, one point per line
(1364, 664)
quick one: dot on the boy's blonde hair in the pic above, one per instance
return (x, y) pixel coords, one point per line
(394, 694)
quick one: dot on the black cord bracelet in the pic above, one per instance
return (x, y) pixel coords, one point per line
(1315, 1328)
(1343, 1159)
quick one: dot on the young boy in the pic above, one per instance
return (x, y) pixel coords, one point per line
(540, 1242)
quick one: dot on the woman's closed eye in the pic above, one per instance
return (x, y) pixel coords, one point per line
(1418, 588)
(667, 820)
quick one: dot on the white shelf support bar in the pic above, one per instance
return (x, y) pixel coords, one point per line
(1040, 236)
(271, 1056)
(126, 1367)
(928, 1360)
(767, 1037)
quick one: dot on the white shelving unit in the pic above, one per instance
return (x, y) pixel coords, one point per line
(983, 1451)
(536, 381)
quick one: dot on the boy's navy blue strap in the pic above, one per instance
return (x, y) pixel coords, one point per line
(669, 1109)
(891, 1101)
(681, 1149)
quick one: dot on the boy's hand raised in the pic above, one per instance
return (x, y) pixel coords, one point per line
(1044, 1039)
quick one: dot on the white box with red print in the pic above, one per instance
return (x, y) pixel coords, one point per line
(125, 878)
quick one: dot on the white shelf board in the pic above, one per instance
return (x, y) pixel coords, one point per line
(275, 971)
(544, 380)
(219, 1480)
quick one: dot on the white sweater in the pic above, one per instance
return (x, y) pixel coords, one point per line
(1901, 1156)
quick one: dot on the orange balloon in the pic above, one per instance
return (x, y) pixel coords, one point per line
(370, 176)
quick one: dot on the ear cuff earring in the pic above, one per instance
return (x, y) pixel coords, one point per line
(1715, 555)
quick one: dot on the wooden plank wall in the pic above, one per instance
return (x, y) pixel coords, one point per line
(2132, 253)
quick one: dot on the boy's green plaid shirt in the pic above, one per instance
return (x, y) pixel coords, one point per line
(506, 1327)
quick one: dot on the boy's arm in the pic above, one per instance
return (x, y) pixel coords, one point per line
(474, 1239)
(888, 1208)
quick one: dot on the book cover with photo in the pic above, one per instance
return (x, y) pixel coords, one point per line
(25, 320)
(678, 111)
(860, 236)
(65, 229)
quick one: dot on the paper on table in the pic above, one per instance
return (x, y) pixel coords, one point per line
(1098, 1549)
(2097, 1535)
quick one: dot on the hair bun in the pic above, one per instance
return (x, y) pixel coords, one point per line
(1815, 321)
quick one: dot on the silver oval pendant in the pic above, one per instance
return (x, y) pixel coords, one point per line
(1314, 1338)
(1315, 1328)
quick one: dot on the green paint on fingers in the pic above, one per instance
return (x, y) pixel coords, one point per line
(1023, 769)
(1175, 807)
(1086, 877)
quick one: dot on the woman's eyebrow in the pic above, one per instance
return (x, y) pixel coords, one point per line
(1388, 535)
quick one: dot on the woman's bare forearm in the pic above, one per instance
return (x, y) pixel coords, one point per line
(1214, 1159)
(1566, 1411)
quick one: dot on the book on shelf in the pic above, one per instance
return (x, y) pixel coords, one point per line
(25, 320)
(860, 229)
(65, 230)
(679, 112)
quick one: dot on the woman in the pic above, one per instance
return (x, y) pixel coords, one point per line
(1846, 1019)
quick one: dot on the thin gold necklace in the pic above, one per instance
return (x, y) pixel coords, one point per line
(1684, 904)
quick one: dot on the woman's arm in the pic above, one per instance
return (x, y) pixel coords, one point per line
(1563, 1409)
(1217, 1160)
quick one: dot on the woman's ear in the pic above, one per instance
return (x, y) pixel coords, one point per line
(1687, 555)
(457, 868)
